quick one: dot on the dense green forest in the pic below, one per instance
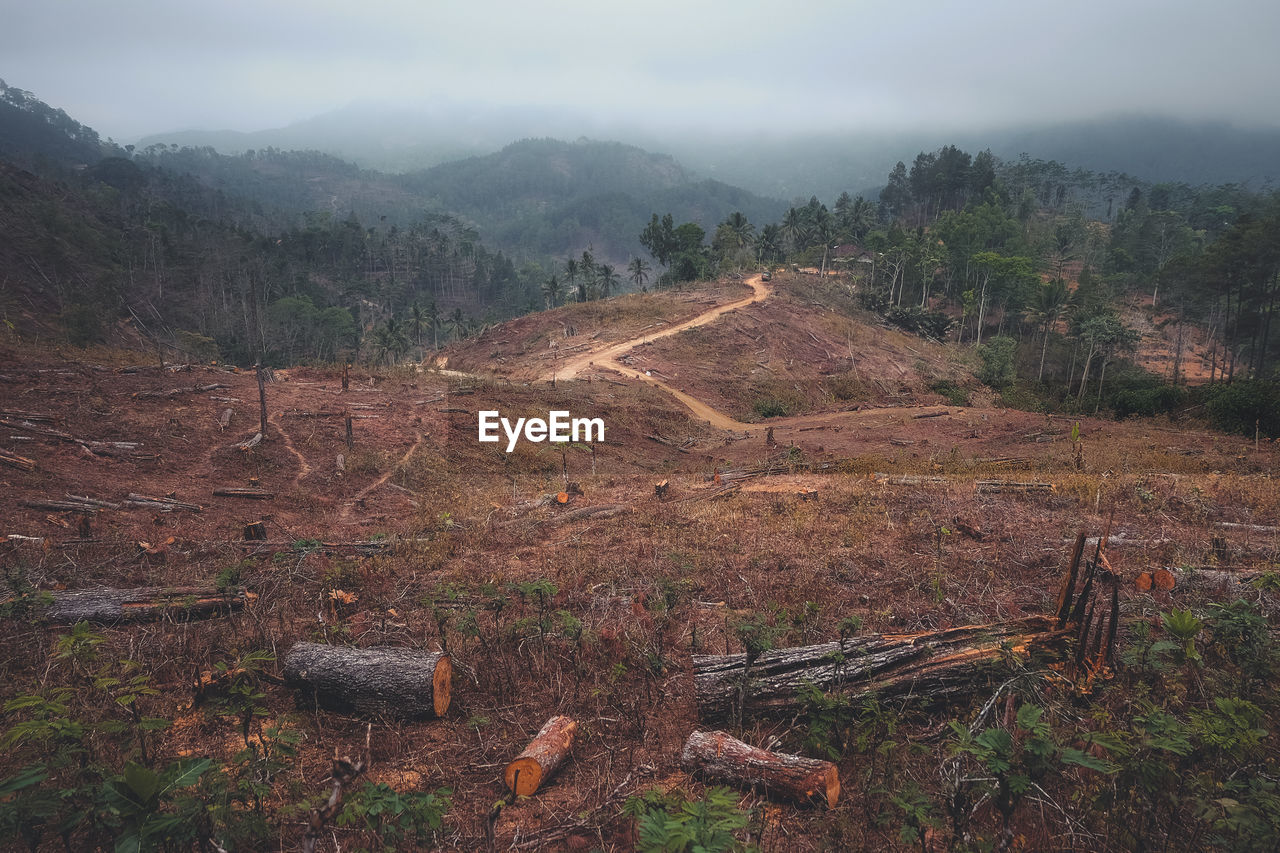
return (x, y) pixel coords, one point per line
(1044, 271)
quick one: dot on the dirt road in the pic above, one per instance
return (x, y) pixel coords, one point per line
(607, 359)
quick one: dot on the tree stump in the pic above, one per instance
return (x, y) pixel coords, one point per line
(542, 757)
(255, 531)
(393, 682)
(719, 757)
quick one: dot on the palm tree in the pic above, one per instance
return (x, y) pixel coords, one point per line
(769, 244)
(459, 326)
(742, 229)
(793, 228)
(416, 321)
(639, 271)
(1051, 302)
(390, 340)
(588, 268)
(824, 230)
(551, 291)
(431, 314)
(862, 217)
(607, 279)
(571, 272)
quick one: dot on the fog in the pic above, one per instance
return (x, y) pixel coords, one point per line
(135, 68)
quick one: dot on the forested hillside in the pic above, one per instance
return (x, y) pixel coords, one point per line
(1077, 291)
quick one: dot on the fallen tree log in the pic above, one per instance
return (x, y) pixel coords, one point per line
(989, 486)
(162, 504)
(109, 606)
(1202, 579)
(931, 667)
(60, 506)
(909, 479)
(13, 460)
(602, 511)
(542, 757)
(382, 681)
(253, 494)
(718, 757)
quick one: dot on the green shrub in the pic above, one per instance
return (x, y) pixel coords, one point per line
(954, 394)
(1245, 404)
(998, 368)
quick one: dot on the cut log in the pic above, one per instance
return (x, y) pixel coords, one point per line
(15, 461)
(252, 494)
(909, 479)
(161, 504)
(542, 757)
(84, 499)
(930, 667)
(719, 757)
(1200, 579)
(603, 511)
(60, 506)
(380, 681)
(144, 604)
(225, 420)
(249, 444)
(989, 486)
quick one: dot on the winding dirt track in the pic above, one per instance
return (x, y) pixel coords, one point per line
(607, 359)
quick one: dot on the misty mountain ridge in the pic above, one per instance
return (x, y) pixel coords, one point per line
(772, 162)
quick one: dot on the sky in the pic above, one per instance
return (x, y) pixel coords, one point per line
(133, 67)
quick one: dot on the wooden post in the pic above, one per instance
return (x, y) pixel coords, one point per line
(262, 400)
(350, 438)
(542, 757)
(346, 374)
(719, 757)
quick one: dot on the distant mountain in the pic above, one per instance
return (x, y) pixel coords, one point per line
(551, 197)
(399, 139)
(1152, 149)
(774, 161)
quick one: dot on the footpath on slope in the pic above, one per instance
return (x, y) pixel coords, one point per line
(607, 359)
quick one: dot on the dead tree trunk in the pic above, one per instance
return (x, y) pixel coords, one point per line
(262, 401)
(931, 667)
(394, 682)
(542, 757)
(145, 604)
(718, 757)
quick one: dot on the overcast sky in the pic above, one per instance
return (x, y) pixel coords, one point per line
(133, 67)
